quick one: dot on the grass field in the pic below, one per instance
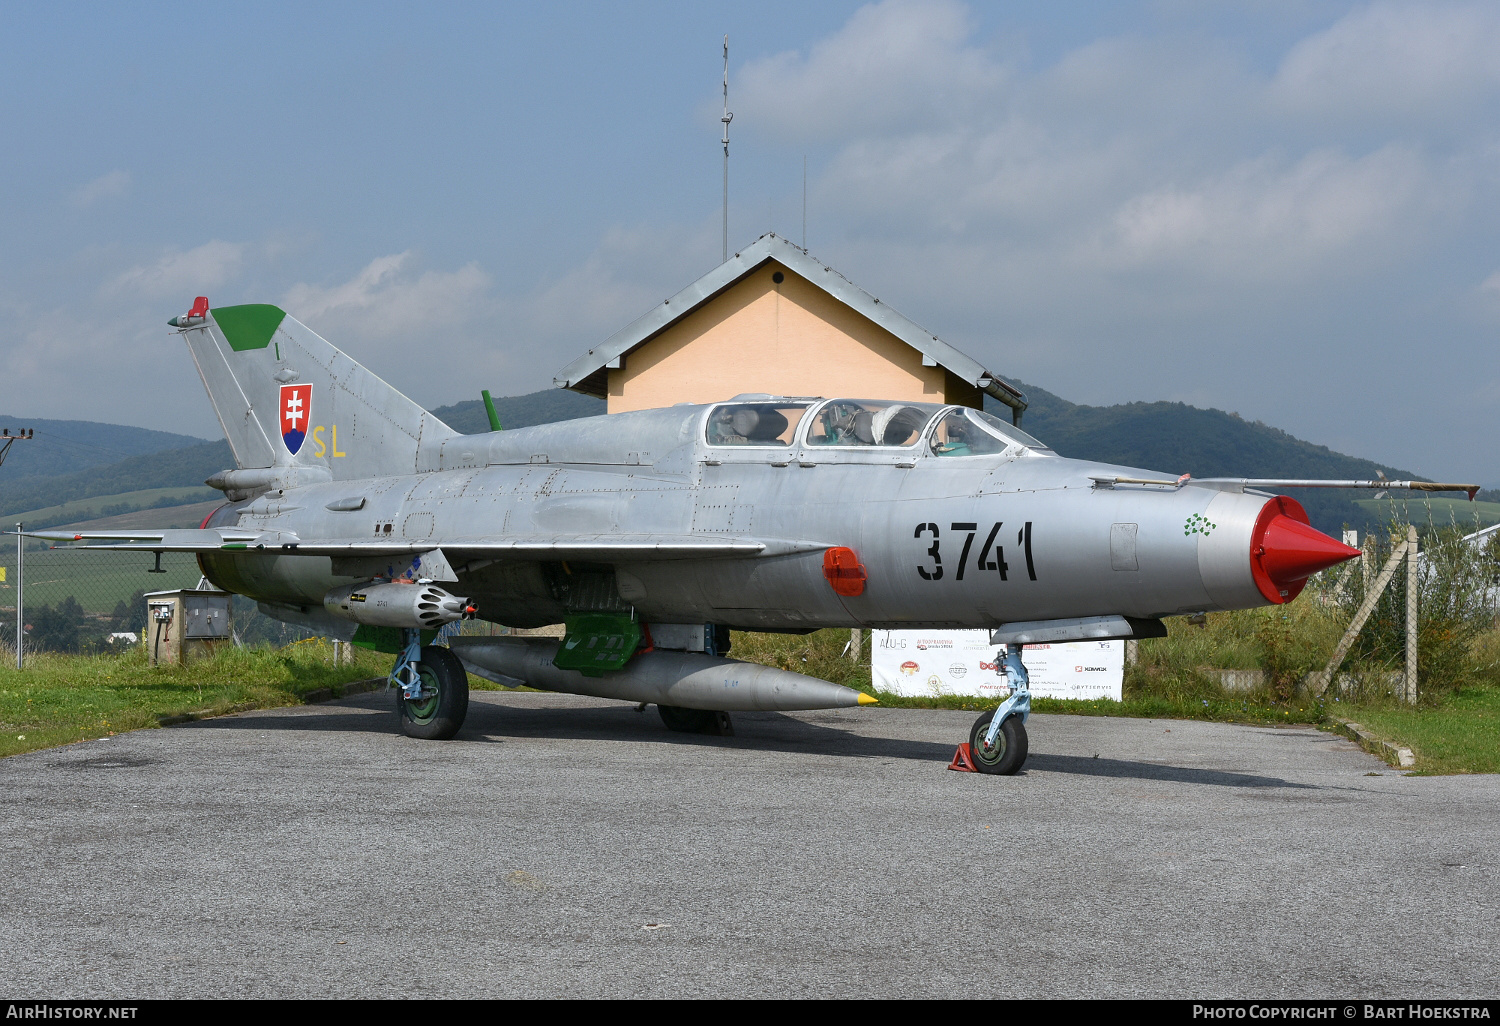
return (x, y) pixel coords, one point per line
(1445, 512)
(88, 509)
(820, 655)
(97, 580)
(61, 699)
(1457, 732)
(1461, 735)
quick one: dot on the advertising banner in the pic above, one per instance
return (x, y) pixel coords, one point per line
(931, 663)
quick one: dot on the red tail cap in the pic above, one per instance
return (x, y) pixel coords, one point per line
(1285, 550)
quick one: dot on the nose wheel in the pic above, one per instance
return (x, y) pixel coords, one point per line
(1007, 754)
(997, 741)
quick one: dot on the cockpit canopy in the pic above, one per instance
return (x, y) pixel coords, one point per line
(768, 423)
(846, 423)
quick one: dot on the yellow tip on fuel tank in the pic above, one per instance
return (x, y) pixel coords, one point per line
(865, 699)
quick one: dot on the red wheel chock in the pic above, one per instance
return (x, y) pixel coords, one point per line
(963, 759)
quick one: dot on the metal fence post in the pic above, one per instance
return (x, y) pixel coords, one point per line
(20, 589)
(1411, 613)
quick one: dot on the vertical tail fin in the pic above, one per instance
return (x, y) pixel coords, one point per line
(287, 398)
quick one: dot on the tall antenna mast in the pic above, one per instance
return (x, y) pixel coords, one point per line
(727, 118)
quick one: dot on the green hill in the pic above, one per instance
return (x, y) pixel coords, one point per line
(1175, 438)
(66, 446)
(117, 505)
(173, 468)
(545, 407)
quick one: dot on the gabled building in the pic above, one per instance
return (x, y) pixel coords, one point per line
(775, 320)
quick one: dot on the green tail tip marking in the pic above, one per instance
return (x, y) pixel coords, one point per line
(489, 408)
(250, 326)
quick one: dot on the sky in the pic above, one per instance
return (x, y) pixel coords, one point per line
(1287, 210)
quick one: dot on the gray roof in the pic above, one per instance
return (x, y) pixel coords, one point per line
(587, 373)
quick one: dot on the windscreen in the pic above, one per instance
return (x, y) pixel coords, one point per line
(1005, 430)
(973, 433)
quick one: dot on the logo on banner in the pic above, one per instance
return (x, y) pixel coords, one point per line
(296, 408)
(909, 667)
(957, 670)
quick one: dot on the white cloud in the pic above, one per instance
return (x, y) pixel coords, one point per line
(116, 183)
(1396, 61)
(182, 275)
(622, 279)
(388, 298)
(1258, 220)
(893, 66)
(1147, 195)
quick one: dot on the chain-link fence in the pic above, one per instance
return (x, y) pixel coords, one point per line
(77, 600)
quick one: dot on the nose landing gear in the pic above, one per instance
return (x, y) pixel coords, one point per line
(997, 741)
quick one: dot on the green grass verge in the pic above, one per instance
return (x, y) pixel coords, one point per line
(1460, 735)
(60, 699)
(820, 654)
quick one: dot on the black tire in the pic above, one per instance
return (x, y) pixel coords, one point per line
(695, 721)
(1009, 753)
(440, 717)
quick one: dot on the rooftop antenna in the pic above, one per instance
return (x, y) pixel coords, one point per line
(804, 203)
(727, 118)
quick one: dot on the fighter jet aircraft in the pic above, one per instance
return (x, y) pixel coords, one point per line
(650, 534)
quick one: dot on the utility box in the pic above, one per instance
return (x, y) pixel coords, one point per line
(185, 626)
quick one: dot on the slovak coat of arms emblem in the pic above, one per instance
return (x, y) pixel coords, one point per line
(296, 409)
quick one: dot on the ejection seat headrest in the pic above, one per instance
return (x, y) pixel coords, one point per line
(744, 422)
(895, 424)
(772, 424)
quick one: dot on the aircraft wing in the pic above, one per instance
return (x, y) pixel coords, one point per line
(172, 540)
(601, 548)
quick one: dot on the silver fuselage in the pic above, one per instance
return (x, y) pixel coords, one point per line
(1059, 544)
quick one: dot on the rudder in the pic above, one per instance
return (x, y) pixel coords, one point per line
(286, 397)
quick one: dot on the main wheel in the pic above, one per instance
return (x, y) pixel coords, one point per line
(1009, 753)
(439, 715)
(695, 721)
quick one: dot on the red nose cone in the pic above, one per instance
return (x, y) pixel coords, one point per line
(1285, 551)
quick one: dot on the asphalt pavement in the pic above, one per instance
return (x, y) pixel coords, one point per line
(567, 846)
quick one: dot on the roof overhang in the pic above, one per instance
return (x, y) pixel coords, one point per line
(589, 373)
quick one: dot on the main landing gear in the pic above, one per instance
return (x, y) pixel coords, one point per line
(432, 689)
(997, 741)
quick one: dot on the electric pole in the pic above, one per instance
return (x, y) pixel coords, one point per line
(727, 118)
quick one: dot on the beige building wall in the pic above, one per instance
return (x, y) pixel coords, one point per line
(787, 338)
